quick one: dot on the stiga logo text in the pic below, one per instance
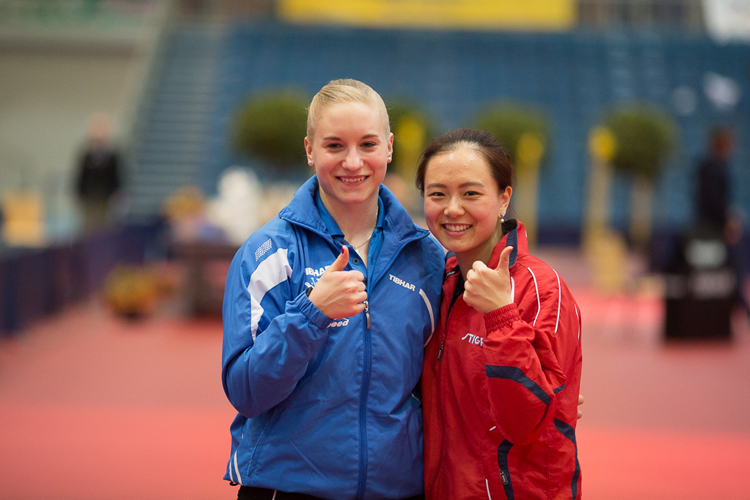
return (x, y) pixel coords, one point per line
(340, 322)
(473, 339)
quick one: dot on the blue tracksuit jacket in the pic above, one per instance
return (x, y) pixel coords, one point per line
(326, 404)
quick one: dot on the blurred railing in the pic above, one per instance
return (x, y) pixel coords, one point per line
(38, 282)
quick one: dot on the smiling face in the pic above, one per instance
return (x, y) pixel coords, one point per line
(350, 150)
(463, 204)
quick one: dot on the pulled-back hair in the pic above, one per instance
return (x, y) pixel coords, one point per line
(344, 90)
(482, 142)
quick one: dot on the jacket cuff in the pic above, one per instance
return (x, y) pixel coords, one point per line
(311, 311)
(497, 319)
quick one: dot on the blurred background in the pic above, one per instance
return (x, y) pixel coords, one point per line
(141, 141)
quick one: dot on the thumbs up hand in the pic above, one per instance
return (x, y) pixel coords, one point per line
(339, 293)
(488, 289)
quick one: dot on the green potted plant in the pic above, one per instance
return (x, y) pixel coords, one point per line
(412, 128)
(645, 138)
(270, 126)
(523, 130)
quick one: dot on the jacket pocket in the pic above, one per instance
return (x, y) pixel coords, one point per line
(569, 432)
(259, 441)
(502, 462)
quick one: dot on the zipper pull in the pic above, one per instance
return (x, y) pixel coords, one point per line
(367, 313)
(440, 352)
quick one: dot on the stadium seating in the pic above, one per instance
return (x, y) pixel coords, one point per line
(574, 76)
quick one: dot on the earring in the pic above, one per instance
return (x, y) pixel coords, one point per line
(502, 218)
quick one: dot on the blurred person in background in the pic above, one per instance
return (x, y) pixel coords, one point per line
(99, 170)
(716, 218)
(713, 188)
(326, 311)
(503, 369)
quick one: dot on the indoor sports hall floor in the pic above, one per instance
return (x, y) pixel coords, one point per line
(94, 407)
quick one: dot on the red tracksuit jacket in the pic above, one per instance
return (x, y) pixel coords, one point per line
(500, 391)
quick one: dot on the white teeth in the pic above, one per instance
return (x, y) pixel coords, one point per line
(352, 180)
(456, 227)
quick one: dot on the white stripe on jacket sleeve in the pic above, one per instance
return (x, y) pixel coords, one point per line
(559, 299)
(236, 468)
(432, 316)
(273, 270)
(538, 302)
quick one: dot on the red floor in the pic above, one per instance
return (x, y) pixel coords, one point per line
(94, 407)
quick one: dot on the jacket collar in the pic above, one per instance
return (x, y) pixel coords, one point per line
(514, 234)
(302, 211)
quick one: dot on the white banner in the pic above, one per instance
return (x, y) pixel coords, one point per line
(727, 20)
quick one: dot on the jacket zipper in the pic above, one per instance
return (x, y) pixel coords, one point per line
(367, 313)
(439, 378)
(502, 461)
(363, 406)
(444, 336)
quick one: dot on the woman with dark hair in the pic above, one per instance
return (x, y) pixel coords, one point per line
(502, 372)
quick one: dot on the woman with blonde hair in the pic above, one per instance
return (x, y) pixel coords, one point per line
(326, 311)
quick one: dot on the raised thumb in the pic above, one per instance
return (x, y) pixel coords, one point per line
(341, 261)
(504, 261)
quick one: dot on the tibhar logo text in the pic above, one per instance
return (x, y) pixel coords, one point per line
(315, 272)
(473, 339)
(340, 322)
(401, 282)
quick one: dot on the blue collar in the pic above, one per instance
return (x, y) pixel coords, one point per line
(330, 222)
(393, 219)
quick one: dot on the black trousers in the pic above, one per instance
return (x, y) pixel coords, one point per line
(251, 493)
